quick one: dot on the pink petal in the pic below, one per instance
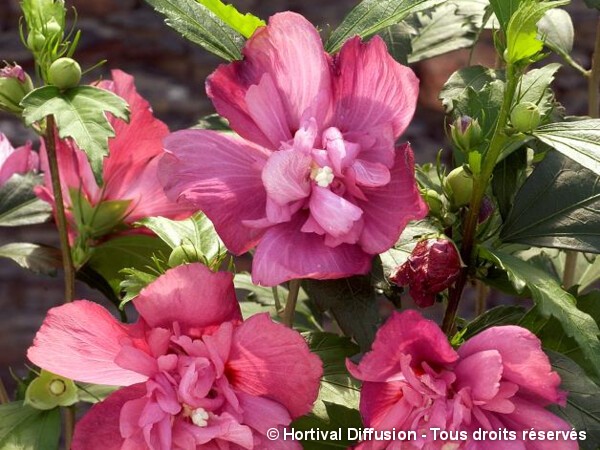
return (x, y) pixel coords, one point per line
(99, 429)
(190, 295)
(334, 214)
(81, 340)
(481, 372)
(371, 88)
(262, 413)
(523, 359)
(285, 176)
(370, 174)
(339, 152)
(389, 208)
(290, 51)
(19, 161)
(221, 175)
(382, 404)
(272, 361)
(406, 333)
(285, 253)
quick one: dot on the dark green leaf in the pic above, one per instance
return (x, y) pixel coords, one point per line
(213, 122)
(509, 175)
(372, 16)
(500, 315)
(593, 3)
(398, 40)
(80, 114)
(133, 282)
(504, 9)
(558, 206)
(339, 418)
(25, 428)
(201, 26)
(37, 258)
(18, 203)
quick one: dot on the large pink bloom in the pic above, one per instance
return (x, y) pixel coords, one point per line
(499, 379)
(15, 161)
(314, 178)
(196, 375)
(130, 170)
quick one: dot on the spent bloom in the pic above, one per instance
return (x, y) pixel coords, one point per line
(432, 267)
(314, 179)
(14, 85)
(413, 380)
(131, 190)
(15, 160)
(195, 374)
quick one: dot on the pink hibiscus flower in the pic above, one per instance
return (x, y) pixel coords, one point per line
(15, 161)
(196, 376)
(130, 170)
(499, 379)
(314, 179)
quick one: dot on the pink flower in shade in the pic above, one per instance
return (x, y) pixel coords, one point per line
(196, 376)
(499, 379)
(15, 161)
(314, 179)
(130, 170)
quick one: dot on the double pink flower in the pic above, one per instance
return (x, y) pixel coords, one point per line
(314, 179)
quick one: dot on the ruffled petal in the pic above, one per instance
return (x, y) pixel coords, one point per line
(285, 176)
(372, 89)
(481, 372)
(285, 253)
(272, 361)
(190, 295)
(333, 213)
(220, 175)
(81, 340)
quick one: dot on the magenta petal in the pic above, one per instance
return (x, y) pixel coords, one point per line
(285, 253)
(285, 176)
(284, 370)
(334, 214)
(370, 174)
(262, 413)
(389, 208)
(100, 427)
(81, 340)
(221, 175)
(372, 88)
(19, 161)
(190, 295)
(481, 372)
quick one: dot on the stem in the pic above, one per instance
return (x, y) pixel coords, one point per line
(69, 425)
(290, 304)
(3, 394)
(276, 298)
(480, 185)
(482, 294)
(61, 219)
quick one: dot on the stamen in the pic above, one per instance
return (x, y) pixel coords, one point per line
(200, 417)
(323, 176)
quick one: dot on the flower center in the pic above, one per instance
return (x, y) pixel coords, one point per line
(323, 176)
(200, 417)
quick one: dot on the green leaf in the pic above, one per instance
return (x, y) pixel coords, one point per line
(94, 393)
(583, 404)
(535, 88)
(80, 114)
(557, 207)
(556, 30)
(40, 259)
(200, 25)
(509, 175)
(372, 16)
(25, 428)
(245, 24)
(134, 281)
(551, 300)
(339, 418)
(593, 3)
(398, 37)
(504, 10)
(578, 140)
(500, 315)
(213, 122)
(18, 203)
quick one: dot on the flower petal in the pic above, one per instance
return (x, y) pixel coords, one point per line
(372, 89)
(285, 253)
(221, 175)
(334, 214)
(190, 295)
(21, 160)
(481, 372)
(81, 340)
(285, 176)
(272, 361)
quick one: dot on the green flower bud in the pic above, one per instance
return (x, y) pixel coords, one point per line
(459, 184)
(434, 201)
(466, 133)
(64, 73)
(184, 254)
(35, 41)
(14, 85)
(52, 27)
(49, 391)
(525, 117)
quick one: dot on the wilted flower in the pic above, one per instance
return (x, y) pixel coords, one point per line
(315, 179)
(500, 379)
(196, 376)
(14, 85)
(432, 267)
(15, 161)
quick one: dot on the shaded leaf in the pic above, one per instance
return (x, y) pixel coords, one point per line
(504, 9)
(398, 40)
(329, 437)
(455, 93)
(556, 30)
(509, 175)
(245, 24)
(25, 428)
(18, 203)
(500, 315)
(40, 259)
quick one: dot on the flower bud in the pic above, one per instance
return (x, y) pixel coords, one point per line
(49, 391)
(52, 27)
(459, 184)
(64, 73)
(525, 117)
(14, 85)
(434, 201)
(35, 41)
(433, 266)
(466, 133)
(184, 254)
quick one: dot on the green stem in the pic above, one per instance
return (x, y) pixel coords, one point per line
(61, 219)
(3, 394)
(69, 425)
(480, 185)
(290, 304)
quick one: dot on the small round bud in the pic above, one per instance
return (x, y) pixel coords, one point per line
(459, 184)
(525, 117)
(52, 27)
(184, 254)
(14, 85)
(434, 201)
(466, 133)
(35, 41)
(64, 73)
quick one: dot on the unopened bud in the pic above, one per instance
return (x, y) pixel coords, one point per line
(64, 73)
(466, 133)
(184, 254)
(14, 85)
(434, 201)
(525, 117)
(459, 184)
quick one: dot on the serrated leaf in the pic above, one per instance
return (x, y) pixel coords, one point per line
(339, 418)
(558, 206)
(18, 203)
(535, 88)
(200, 25)
(80, 114)
(134, 280)
(454, 94)
(25, 428)
(552, 300)
(509, 175)
(245, 24)
(556, 30)
(40, 259)
(372, 16)
(500, 315)
(398, 37)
